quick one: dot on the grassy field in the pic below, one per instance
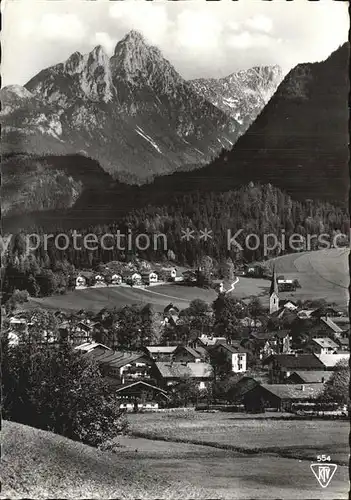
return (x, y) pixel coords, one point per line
(94, 299)
(301, 439)
(322, 274)
(38, 464)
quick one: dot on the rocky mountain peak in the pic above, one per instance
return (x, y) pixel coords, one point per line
(138, 63)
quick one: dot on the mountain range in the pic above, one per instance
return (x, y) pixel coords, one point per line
(299, 143)
(132, 112)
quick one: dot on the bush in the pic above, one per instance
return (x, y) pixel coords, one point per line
(56, 389)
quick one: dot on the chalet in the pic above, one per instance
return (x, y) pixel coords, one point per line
(280, 396)
(308, 377)
(281, 366)
(160, 352)
(99, 281)
(116, 280)
(322, 345)
(244, 385)
(149, 277)
(170, 273)
(235, 354)
(263, 344)
(132, 278)
(123, 366)
(141, 396)
(185, 354)
(81, 282)
(172, 373)
(305, 313)
(329, 326)
(288, 304)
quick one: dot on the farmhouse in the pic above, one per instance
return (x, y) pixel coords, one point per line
(263, 344)
(280, 396)
(99, 281)
(149, 277)
(160, 352)
(170, 273)
(123, 366)
(116, 279)
(185, 354)
(141, 395)
(282, 365)
(132, 278)
(323, 345)
(311, 377)
(234, 353)
(81, 282)
(171, 373)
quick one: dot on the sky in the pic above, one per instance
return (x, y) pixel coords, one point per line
(200, 38)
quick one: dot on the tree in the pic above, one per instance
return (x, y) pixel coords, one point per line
(204, 272)
(337, 388)
(54, 388)
(185, 392)
(226, 315)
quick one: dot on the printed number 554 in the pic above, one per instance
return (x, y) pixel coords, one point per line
(323, 458)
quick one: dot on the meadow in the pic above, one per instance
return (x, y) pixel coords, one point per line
(323, 274)
(277, 434)
(39, 464)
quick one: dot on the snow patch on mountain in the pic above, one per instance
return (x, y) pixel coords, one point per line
(140, 131)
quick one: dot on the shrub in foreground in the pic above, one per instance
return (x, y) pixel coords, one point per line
(55, 388)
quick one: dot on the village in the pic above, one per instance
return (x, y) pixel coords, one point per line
(277, 359)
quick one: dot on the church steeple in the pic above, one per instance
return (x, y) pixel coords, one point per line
(274, 294)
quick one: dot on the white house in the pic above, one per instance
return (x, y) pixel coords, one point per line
(234, 354)
(133, 278)
(81, 282)
(323, 346)
(116, 279)
(170, 272)
(149, 277)
(99, 281)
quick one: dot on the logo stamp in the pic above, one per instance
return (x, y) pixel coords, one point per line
(323, 471)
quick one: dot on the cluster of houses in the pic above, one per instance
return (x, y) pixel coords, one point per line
(288, 376)
(131, 277)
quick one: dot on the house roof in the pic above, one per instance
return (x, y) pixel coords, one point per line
(209, 341)
(330, 323)
(312, 377)
(190, 350)
(299, 361)
(161, 349)
(325, 342)
(184, 370)
(294, 391)
(330, 360)
(125, 387)
(120, 359)
(269, 335)
(305, 313)
(234, 347)
(169, 307)
(91, 346)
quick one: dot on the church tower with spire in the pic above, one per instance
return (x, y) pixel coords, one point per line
(274, 294)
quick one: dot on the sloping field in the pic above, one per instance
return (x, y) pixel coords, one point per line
(95, 299)
(38, 464)
(323, 274)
